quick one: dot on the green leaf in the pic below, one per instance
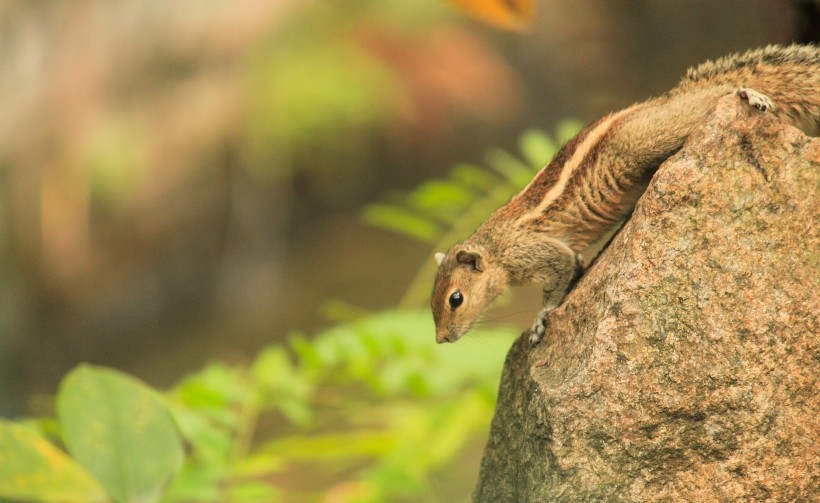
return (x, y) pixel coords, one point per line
(258, 465)
(324, 446)
(390, 351)
(438, 196)
(252, 492)
(210, 442)
(341, 311)
(401, 220)
(120, 431)
(568, 128)
(454, 425)
(537, 147)
(33, 469)
(474, 177)
(512, 168)
(216, 386)
(196, 483)
(281, 386)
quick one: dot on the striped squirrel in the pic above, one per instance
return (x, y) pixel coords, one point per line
(596, 178)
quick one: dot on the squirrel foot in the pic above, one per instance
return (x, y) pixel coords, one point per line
(539, 325)
(756, 99)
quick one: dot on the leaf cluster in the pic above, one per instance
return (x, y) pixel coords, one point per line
(370, 402)
(369, 409)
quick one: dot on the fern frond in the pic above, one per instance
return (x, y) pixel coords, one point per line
(442, 211)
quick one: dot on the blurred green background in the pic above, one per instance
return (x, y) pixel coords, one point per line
(182, 181)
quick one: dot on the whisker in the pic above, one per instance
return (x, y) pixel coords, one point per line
(480, 340)
(508, 315)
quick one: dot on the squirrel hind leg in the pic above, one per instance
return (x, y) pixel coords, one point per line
(756, 99)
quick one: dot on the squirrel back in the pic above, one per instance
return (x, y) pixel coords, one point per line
(594, 181)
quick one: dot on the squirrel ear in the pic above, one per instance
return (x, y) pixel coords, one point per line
(439, 258)
(470, 258)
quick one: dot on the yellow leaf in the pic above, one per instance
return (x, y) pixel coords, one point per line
(508, 14)
(33, 469)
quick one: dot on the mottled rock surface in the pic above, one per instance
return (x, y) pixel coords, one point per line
(684, 366)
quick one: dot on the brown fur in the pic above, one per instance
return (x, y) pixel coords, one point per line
(536, 237)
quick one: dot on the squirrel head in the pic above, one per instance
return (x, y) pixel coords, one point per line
(467, 281)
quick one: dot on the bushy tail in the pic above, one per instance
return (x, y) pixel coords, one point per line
(790, 76)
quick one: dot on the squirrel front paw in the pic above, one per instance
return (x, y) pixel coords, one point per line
(756, 99)
(539, 326)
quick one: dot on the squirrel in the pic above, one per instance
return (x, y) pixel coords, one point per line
(595, 179)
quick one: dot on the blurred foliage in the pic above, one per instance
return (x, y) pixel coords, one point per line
(154, 156)
(371, 403)
(301, 93)
(371, 70)
(34, 469)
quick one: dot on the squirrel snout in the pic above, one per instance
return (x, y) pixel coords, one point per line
(442, 337)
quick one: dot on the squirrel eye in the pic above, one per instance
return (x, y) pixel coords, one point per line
(456, 299)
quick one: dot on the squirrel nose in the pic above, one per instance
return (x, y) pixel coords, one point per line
(442, 337)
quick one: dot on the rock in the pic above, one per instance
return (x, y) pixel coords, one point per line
(684, 366)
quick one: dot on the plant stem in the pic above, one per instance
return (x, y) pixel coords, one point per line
(245, 429)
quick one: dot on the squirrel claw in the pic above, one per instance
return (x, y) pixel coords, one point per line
(539, 326)
(536, 336)
(756, 99)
